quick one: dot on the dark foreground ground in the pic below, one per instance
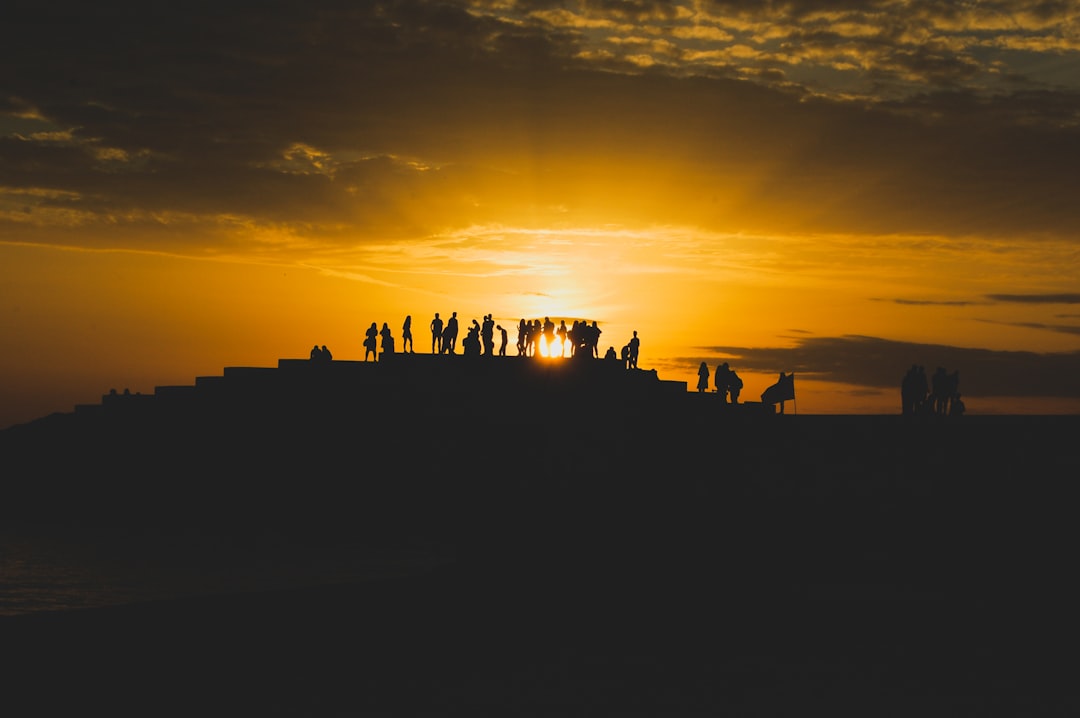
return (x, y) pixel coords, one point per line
(795, 565)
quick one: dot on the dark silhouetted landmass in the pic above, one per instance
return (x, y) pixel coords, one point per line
(622, 546)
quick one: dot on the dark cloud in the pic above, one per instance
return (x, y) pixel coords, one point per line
(929, 302)
(1066, 298)
(1042, 326)
(131, 107)
(875, 363)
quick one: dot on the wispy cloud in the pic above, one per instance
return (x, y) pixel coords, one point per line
(1066, 298)
(931, 302)
(1058, 328)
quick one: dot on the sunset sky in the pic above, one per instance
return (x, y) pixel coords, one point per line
(838, 188)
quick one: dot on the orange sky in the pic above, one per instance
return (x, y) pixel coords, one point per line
(833, 191)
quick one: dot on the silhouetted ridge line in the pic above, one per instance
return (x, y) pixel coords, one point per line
(324, 441)
(418, 385)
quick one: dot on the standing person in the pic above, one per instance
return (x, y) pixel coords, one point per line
(387, 339)
(451, 333)
(445, 340)
(534, 336)
(406, 335)
(522, 337)
(907, 387)
(635, 348)
(702, 377)
(594, 342)
(547, 331)
(371, 337)
(487, 334)
(734, 386)
(723, 381)
(502, 344)
(436, 334)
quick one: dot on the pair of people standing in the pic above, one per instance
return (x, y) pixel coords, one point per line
(630, 351)
(372, 337)
(444, 335)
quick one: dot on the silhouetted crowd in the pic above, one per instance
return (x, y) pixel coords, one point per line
(725, 382)
(938, 395)
(581, 339)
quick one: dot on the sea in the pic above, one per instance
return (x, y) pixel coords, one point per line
(47, 567)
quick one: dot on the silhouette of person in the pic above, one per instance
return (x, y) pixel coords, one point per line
(610, 354)
(562, 333)
(703, 377)
(939, 391)
(445, 349)
(907, 391)
(922, 390)
(387, 339)
(406, 335)
(503, 340)
(957, 407)
(626, 356)
(522, 337)
(371, 337)
(451, 333)
(534, 334)
(547, 331)
(594, 343)
(316, 353)
(722, 382)
(436, 334)
(471, 343)
(325, 354)
(734, 386)
(487, 333)
(635, 348)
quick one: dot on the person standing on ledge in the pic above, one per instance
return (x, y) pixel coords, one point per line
(635, 347)
(702, 377)
(406, 335)
(487, 335)
(387, 339)
(502, 343)
(371, 337)
(723, 381)
(450, 336)
(436, 334)
(734, 386)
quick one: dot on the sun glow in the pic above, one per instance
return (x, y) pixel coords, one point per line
(554, 350)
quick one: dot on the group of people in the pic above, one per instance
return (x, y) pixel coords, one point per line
(580, 339)
(374, 335)
(321, 354)
(938, 395)
(725, 382)
(479, 338)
